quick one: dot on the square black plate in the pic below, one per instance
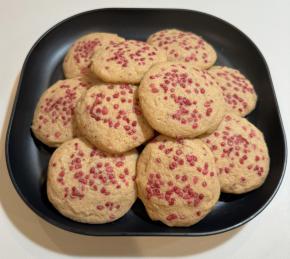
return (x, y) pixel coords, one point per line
(27, 158)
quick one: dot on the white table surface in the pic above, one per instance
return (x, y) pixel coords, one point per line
(25, 235)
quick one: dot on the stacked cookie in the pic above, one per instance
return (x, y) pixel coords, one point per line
(121, 93)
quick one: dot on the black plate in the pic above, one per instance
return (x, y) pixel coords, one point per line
(27, 158)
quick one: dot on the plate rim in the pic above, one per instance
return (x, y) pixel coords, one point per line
(135, 233)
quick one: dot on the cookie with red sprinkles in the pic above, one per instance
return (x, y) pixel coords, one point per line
(241, 154)
(78, 58)
(179, 101)
(239, 94)
(109, 116)
(184, 46)
(90, 186)
(53, 121)
(125, 62)
(177, 180)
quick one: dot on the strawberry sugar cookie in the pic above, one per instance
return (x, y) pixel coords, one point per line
(177, 180)
(78, 59)
(53, 121)
(90, 186)
(125, 62)
(241, 154)
(109, 116)
(184, 46)
(179, 101)
(239, 94)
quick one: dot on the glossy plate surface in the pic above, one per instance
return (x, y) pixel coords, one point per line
(27, 158)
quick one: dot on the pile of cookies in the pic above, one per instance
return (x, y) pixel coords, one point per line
(164, 94)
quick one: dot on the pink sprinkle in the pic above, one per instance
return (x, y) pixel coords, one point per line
(119, 164)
